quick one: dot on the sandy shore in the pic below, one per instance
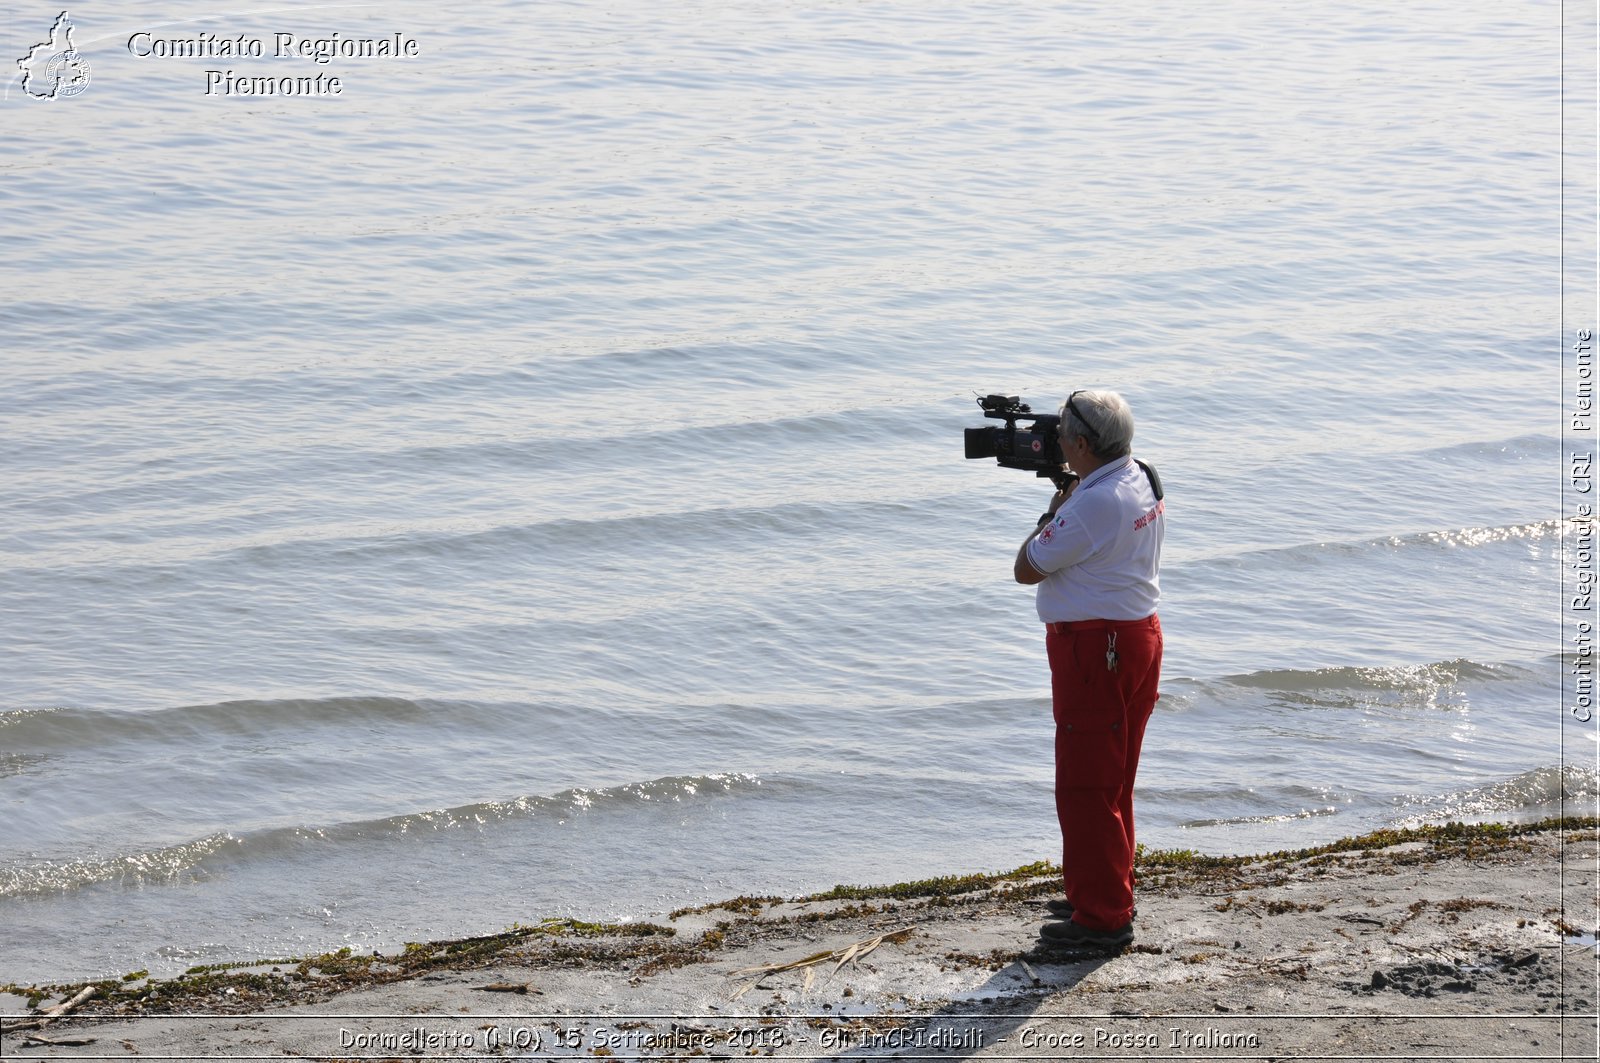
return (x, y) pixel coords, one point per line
(1446, 943)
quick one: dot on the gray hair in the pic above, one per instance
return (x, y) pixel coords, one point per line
(1103, 417)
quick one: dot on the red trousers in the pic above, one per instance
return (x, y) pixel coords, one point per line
(1101, 710)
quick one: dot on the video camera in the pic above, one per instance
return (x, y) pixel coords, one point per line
(1036, 447)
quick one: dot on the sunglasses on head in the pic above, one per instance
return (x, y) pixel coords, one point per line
(1094, 437)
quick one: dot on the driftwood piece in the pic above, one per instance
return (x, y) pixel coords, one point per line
(61, 1009)
(50, 1015)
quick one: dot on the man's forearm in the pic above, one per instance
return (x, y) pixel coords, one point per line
(1022, 568)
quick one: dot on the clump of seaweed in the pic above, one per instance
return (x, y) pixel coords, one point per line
(737, 905)
(942, 886)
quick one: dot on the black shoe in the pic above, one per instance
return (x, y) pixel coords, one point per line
(1070, 935)
(1061, 908)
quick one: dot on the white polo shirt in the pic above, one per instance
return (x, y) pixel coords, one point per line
(1102, 552)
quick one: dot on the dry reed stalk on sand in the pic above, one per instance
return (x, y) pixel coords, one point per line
(54, 1042)
(840, 957)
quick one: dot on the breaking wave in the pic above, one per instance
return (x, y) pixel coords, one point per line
(1546, 791)
(174, 864)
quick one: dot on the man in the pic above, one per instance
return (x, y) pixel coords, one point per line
(1096, 556)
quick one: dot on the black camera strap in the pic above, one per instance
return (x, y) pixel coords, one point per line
(1154, 477)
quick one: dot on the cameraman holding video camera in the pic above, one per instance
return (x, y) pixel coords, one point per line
(1096, 557)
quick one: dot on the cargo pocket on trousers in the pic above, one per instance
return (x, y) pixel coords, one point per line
(1091, 749)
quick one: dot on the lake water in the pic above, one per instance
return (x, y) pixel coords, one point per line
(530, 482)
